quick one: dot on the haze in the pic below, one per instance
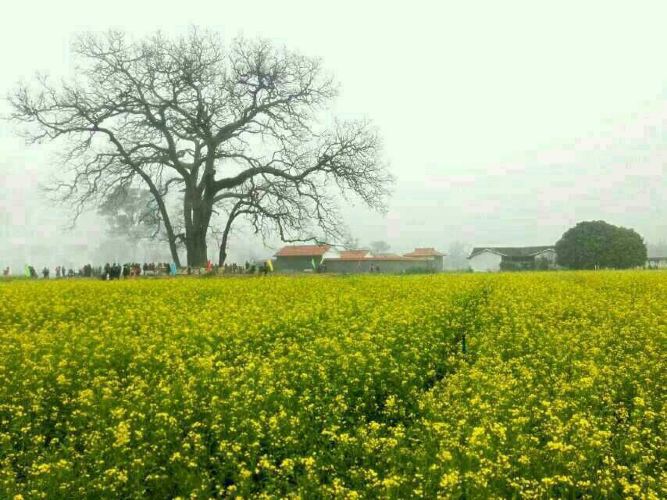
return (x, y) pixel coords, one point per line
(504, 123)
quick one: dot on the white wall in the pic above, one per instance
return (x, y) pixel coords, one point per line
(550, 255)
(485, 261)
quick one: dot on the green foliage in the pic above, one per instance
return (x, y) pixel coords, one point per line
(597, 244)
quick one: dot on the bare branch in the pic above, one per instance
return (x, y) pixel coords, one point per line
(226, 125)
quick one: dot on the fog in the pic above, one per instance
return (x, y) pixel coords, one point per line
(503, 124)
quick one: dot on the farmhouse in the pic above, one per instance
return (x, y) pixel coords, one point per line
(361, 261)
(483, 259)
(301, 257)
(431, 254)
(298, 258)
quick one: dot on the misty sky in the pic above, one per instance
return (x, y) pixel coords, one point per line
(503, 122)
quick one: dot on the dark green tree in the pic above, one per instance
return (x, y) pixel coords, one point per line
(598, 244)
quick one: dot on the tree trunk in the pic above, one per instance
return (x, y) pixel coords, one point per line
(196, 227)
(225, 234)
(222, 256)
(196, 246)
(223, 244)
(165, 216)
(195, 234)
(174, 251)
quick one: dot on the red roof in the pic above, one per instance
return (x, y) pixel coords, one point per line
(424, 252)
(353, 254)
(303, 251)
(377, 258)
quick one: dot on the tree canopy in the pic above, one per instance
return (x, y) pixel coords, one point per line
(129, 212)
(597, 244)
(379, 247)
(215, 133)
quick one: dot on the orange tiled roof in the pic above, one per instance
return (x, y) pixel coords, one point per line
(377, 258)
(303, 251)
(353, 254)
(424, 252)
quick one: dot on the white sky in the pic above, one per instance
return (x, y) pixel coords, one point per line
(504, 122)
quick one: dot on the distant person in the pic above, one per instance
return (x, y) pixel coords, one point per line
(45, 272)
(5, 271)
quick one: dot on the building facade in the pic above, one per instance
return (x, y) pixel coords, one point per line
(300, 258)
(436, 260)
(492, 259)
(393, 264)
(309, 258)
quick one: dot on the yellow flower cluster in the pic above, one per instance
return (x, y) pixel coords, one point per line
(345, 387)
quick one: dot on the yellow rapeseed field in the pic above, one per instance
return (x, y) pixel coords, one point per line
(343, 387)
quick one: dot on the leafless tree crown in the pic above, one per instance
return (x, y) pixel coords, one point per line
(213, 132)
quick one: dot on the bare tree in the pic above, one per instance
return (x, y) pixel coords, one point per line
(225, 133)
(457, 256)
(350, 242)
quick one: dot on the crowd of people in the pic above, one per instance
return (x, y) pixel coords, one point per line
(247, 268)
(111, 271)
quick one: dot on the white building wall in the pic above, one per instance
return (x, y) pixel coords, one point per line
(549, 255)
(485, 262)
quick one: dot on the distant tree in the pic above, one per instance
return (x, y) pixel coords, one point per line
(129, 212)
(350, 243)
(597, 244)
(226, 132)
(657, 249)
(457, 256)
(379, 247)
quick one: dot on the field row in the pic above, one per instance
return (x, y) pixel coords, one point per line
(332, 386)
